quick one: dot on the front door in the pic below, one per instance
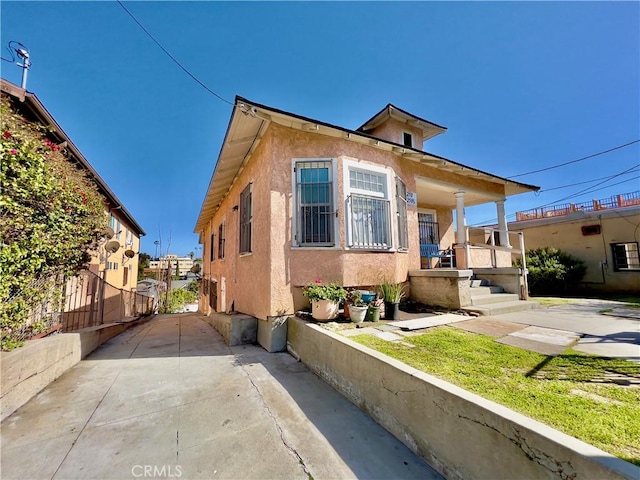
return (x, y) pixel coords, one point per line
(428, 228)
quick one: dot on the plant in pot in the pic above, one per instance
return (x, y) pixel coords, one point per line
(373, 311)
(325, 299)
(357, 307)
(392, 293)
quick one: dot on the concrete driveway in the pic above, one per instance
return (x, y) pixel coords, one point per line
(168, 399)
(615, 334)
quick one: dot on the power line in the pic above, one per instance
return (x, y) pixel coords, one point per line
(575, 161)
(171, 56)
(590, 189)
(512, 215)
(581, 183)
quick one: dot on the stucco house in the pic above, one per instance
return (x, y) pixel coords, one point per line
(294, 199)
(603, 233)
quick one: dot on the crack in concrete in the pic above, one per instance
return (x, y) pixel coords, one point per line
(395, 392)
(278, 427)
(563, 469)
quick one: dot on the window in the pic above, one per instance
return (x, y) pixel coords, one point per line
(369, 209)
(212, 253)
(401, 212)
(115, 226)
(625, 256)
(407, 139)
(245, 220)
(591, 230)
(314, 203)
(221, 240)
(129, 237)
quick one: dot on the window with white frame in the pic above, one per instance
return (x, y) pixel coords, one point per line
(401, 213)
(407, 139)
(625, 256)
(368, 208)
(315, 211)
(115, 225)
(246, 215)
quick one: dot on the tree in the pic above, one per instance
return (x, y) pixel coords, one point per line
(143, 262)
(51, 217)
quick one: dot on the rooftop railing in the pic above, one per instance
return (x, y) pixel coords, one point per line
(615, 201)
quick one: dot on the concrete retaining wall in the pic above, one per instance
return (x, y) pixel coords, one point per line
(460, 434)
(30, 368)
(236, 329)
(448, 288)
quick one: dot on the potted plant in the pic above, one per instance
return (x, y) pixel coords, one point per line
(373, 311)
(392, 293)
(325, 299)
(357, 308)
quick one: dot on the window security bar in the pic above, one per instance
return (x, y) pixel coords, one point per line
(370, 220)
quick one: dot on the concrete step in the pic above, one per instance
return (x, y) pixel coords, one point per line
(505, 307)
(493, 298)
(476, 291)
(477, 282)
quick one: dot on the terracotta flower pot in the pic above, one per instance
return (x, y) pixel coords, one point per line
(324, 310)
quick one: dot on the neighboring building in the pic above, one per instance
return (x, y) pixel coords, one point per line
(602, 233)
(178, 264)
(294, 199)
(119, 266)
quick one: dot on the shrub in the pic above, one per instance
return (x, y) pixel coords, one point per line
(51, 216)
(551, 271)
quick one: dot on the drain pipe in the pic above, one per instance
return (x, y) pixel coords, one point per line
(292, 352)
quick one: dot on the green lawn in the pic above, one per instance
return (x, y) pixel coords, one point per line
(553, 390)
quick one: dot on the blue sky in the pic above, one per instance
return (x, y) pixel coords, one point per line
(520, 86)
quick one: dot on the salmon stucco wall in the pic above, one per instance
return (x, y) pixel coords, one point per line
(392, 129)
(243, 281)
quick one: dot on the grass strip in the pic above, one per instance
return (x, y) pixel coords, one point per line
(605, 415)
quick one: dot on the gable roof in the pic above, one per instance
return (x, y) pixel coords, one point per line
(429, 129)
(250, 120)
(41, 115)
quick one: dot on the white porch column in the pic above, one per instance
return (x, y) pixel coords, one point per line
(461, 236)
(502, 224)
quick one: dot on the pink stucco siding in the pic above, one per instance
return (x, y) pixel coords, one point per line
(267, 281)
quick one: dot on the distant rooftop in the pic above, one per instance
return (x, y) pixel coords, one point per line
(615, 201)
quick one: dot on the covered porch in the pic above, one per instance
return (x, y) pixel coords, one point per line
(459, 263)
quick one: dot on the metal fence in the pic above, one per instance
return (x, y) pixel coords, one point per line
(616, 201)
(85, 300)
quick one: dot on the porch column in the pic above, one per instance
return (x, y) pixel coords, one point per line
(461, 223)
(462, 251)
(502, 224)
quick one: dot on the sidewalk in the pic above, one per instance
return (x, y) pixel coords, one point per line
(168, 399)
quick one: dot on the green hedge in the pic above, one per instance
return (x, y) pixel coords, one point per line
(552, 271)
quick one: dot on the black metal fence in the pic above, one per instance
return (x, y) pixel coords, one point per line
(85, 300)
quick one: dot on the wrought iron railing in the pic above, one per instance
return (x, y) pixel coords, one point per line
(85, 300)
(370, 222)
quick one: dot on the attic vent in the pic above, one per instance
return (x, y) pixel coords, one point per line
(591, 230)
